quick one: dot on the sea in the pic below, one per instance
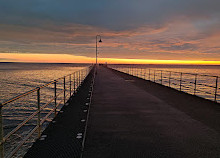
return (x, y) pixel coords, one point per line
(17, 78)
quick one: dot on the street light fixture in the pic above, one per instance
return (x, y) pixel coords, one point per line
(97, 47)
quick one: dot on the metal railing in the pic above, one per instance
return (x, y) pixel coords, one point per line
(205, 86)
(61, 87)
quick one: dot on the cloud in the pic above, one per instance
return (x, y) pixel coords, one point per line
(162, 29)
(113, 15)
(185, 46)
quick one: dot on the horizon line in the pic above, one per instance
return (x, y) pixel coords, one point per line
(110, 63)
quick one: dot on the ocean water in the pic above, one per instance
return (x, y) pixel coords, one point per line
(200, 80)
(17, 78)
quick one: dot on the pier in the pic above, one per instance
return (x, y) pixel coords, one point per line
(132, 117)
(113, 114)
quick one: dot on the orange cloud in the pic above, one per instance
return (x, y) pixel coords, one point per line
(176, 40)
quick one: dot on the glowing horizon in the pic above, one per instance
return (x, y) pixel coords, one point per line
(67, 58)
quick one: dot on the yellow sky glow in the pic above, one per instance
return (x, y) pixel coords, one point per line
(66, 58)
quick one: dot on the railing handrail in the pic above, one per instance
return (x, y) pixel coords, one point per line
(190, 74)
(18, 96)
(78, 77)
(156, 75)
(205, 75)
(33, 90)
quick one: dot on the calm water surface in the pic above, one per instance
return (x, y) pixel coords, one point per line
(18, 78)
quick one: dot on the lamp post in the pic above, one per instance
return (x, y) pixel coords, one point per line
(97, 47)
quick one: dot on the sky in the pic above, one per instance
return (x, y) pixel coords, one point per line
(132, 31)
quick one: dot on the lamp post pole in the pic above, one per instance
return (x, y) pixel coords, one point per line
(97, 47)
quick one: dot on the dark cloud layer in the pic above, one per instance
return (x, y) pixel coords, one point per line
(111, 14)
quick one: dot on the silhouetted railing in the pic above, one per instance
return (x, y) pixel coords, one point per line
(56, 93)
(205, 86)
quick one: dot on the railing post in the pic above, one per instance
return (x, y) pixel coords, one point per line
(216, 88)
(154, 75)
(195, 84)
(55, 98)
(74, 86)
(137, 72)
(64, 90)
(79, 78)
(141, 73)
(145, 73)
(1, 134)
(169, 78)
(70, 85)
(161, 77)
(149, 74)
(84, 74)
(38, 116)
(180, 81)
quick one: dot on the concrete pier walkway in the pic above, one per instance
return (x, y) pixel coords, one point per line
(130, 117)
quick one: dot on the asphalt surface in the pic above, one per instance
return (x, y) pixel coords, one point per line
(130, 118)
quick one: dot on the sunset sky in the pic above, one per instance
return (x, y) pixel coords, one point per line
(133, 31)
